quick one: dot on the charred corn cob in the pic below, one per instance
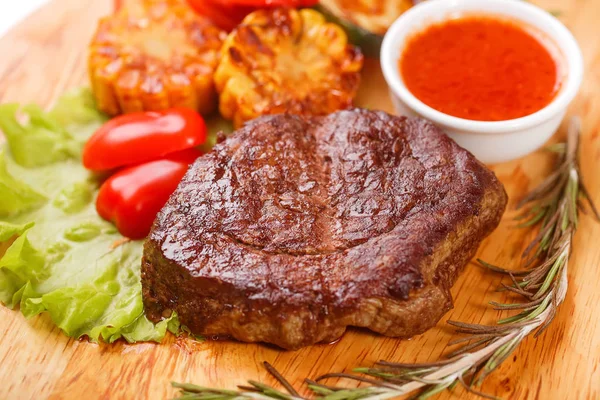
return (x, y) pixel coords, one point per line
(154, 54)
(284, 60)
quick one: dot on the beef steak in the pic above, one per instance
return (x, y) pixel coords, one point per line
(295, 227)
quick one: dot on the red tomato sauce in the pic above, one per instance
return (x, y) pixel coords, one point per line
(480, 68)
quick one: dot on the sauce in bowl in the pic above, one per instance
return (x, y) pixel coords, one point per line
(480, 68)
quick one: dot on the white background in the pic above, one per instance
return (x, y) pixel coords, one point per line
(14, 11)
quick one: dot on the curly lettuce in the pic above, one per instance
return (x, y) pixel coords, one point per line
(56, 254)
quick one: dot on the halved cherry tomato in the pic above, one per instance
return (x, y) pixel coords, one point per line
(132, 197)
(224, 16)
(143, 136)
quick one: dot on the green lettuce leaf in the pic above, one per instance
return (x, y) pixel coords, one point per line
(8, 230)
(16, 196)
(40, 141)
(77, 110)
(56, 254)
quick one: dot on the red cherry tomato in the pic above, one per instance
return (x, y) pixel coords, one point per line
(143, 136)
(224, 16)
(132, 197)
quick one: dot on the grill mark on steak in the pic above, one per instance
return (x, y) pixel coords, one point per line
(294, 228)
(309, 200)
(327, 208)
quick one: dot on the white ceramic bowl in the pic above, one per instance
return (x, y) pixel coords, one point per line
(498, 141)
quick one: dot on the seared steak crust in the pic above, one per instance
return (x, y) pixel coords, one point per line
(295, 228)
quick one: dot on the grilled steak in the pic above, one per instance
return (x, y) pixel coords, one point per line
(295, 227)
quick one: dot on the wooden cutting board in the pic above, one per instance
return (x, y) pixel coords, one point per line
(46, 55)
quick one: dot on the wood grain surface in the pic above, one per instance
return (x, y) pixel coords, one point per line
(46, 54)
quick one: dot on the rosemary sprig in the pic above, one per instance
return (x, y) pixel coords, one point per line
(554, 206)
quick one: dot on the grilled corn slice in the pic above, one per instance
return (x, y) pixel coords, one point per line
(284, 60)
(154, 54)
